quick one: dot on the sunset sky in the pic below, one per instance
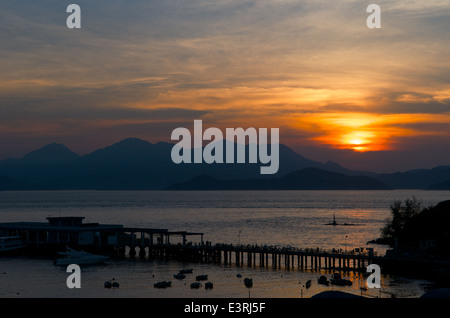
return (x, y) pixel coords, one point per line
(371, 99)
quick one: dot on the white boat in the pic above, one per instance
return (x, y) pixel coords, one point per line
(10, 243)
(80, 258)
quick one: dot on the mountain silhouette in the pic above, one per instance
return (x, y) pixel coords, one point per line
(440, 186)
(417, 178)
(136, 164)
(50, 154)
(39, 165)
(130, 164)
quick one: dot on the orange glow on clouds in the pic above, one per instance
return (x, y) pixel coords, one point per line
(367, 132)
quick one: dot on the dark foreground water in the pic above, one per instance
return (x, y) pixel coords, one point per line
(277, 218)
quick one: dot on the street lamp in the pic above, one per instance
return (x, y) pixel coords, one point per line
(345, 244)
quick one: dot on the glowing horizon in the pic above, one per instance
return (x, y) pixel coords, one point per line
(312, 69)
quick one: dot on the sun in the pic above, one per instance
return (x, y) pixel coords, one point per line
(357, 140)
(355, 131)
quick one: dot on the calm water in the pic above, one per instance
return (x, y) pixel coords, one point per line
(294, 218)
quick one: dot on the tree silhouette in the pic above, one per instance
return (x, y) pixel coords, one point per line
(401, 213)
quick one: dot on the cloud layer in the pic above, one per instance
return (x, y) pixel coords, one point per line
(312, 68)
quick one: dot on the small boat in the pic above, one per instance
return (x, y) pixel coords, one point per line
(10, 243)
(163, 284)
(112, 284)
(179, 276)
(335, 223)
(196, 285)
(338, 280)
(308, 284)
(80, 258)
(248, 282)
(323, 280)
(208, 285)
(186, 271)
(201, 277)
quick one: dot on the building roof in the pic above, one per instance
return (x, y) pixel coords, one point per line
(43, 226)
(48, 227)
(65, 218)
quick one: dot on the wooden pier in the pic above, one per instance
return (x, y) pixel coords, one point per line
(282, 258)
(264, 256)
(149, 243)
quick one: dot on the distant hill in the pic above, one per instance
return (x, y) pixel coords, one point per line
(9, 184)
(50, 154)
(131, 164)
(440, 186)
(416, 179)
(39, 166)
(135, 164)
(305, 179)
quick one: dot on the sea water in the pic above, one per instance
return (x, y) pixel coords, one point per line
(273, 218)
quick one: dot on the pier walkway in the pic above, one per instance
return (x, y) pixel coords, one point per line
(263, 256)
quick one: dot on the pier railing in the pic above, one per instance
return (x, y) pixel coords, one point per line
(262, 255)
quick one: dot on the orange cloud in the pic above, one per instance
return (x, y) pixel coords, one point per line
(368, 132)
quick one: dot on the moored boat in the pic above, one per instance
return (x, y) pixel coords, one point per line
(10, 243)
(323, 280)
(196, 285)
(163, 284)
(209, 285)
(248, 282)
(179, 276)
(338, 280)
(72, 256)
(186, 271)
(201, 277)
